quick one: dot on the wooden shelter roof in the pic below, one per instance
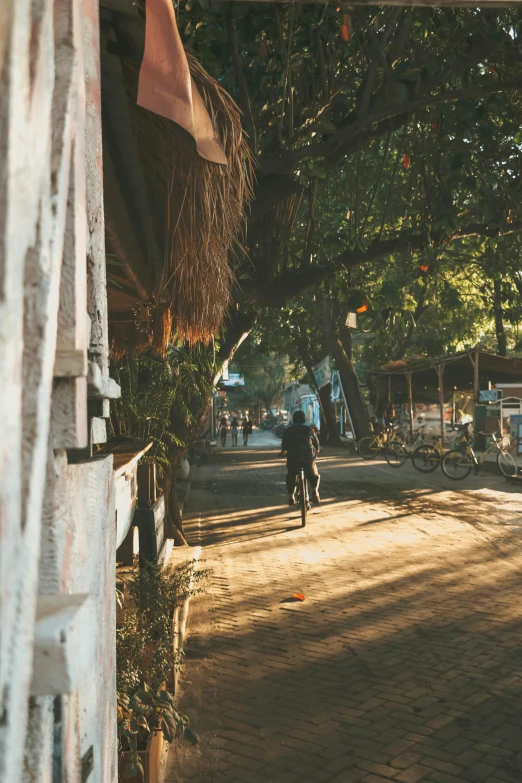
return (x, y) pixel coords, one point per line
(458, 373)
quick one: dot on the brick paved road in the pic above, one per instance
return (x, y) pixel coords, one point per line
(404, 662)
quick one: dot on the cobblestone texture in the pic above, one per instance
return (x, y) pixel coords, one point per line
(404, 661)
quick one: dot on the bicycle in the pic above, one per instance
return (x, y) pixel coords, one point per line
(457, 463)
(428, 456)
(302, 496)
(371, 445)
(396, 452)
(425, 457)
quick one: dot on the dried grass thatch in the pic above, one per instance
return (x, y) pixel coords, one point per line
(204, 207)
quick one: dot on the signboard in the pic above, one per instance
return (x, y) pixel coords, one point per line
(322, 372)
(233, 379)
(490, 395)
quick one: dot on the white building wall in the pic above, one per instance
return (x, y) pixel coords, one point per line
(57, 520)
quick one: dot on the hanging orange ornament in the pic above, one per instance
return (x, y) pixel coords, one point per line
(346, 28)
(424, 267)
(406, 161)
(363, 308)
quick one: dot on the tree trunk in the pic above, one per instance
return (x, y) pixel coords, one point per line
(338, 341)
(499, 317)
(352, 391)
(333, 436)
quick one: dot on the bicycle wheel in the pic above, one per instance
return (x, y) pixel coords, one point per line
(456, 464)
(425, 458)
(364, 447)
(396, 454)
(507, 464)
(302, 498)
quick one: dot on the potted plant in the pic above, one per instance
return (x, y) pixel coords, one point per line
(145, 720)
(145, 660)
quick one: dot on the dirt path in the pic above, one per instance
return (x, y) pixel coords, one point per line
(405, 660)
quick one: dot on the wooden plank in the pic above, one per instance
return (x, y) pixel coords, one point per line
(63, 643)
(100, 385)
(72, 337)
(69, 414)
(96, 268)
(98, 430)
(126, 455)
(70, 363)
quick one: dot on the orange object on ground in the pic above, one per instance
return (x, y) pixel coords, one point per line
(166, 86)
(299, 596)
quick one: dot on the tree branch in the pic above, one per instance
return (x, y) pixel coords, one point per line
(295, 282)
(240, 80)
(348, 137)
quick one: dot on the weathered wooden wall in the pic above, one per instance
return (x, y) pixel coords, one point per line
(57, 521)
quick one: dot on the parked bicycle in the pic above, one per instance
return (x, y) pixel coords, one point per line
(396, 452)
(425, 457)
(371, 445)
(457, 463)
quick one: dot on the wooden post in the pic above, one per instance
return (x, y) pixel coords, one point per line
(476, 379)
(410, 402)
(440, 373)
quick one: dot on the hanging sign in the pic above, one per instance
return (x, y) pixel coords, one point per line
(322, 372)
(490, 395)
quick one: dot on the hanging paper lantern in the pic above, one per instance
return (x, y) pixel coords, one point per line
(406, 161)
(363, 308)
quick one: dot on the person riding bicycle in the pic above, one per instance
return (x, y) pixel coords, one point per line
(300, 445)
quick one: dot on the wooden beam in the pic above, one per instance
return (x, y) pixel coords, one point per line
(476, 377)
(63, 644)
(69, 413)
(440, 373)
(101, 386)
(70, 363)
(410, 402)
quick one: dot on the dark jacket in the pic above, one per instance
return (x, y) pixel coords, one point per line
(300, 443)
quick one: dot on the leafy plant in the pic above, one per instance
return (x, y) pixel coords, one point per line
(139, 715)
(161, 399)
(144, 656)
(145, 636)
